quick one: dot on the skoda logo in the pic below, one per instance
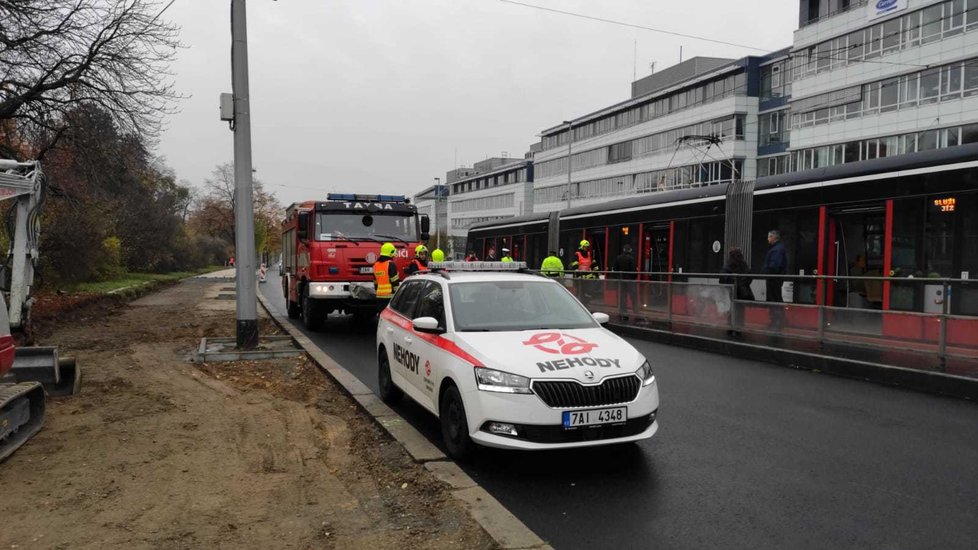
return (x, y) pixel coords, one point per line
(885, 4)
(589, 375)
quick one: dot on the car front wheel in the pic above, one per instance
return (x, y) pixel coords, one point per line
(454, 426)
(389, 393)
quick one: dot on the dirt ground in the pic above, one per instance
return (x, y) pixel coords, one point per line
(158, 452)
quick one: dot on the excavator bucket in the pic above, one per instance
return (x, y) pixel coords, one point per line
(21, 414)
(41, 364)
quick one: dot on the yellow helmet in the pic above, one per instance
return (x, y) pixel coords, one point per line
(420, 248)
(438, 255)
(585, 244)
(387, 249)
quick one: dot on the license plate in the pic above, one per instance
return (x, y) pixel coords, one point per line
(367, 269)
(595, 417)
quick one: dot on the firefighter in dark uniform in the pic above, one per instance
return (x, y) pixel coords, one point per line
(420, 261)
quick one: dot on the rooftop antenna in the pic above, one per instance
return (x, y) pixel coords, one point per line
(680, 54)
(652, 67)
(635, 62)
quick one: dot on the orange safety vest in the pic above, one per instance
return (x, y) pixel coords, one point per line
(419, 266)
(382, 279)
(583, 262)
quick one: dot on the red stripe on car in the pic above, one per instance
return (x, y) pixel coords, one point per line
(435, 339)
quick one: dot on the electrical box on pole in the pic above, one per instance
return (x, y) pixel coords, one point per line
(227, 107)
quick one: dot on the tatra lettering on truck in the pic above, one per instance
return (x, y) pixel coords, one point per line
(329, 249)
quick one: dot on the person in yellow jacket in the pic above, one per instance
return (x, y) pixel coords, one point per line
(552, 266)
(506, 257)
(437, 255)
(386, 278)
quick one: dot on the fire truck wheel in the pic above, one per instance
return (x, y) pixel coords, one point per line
(293, 309)
(312, 316)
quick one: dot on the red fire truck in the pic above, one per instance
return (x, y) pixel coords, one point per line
(329, 249)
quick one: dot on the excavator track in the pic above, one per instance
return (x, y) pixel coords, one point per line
(21, 414)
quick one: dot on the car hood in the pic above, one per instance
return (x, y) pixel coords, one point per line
(555, 353)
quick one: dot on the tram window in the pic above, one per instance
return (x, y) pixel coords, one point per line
(969, 235)
(907, 236)
(852, 152)
(969, 133)
(940, 240)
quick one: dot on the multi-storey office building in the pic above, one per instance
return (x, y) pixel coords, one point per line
(493, 189)
(635, 146)
(433, 202)
(895, 79)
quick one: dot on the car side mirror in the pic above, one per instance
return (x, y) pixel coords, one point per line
(427, 324)
(303, 226)
(601, 318)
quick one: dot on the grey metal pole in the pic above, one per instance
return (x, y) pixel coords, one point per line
(244, 215)
(570, 140)
(437, 213)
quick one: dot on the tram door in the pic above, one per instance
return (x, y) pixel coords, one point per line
(655, 249)
(655, 259)
(855, 248)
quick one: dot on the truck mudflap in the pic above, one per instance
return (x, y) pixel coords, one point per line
(21, 415)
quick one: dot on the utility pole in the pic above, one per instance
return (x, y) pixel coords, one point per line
(244, 214)
(437, 213)
(570, 140)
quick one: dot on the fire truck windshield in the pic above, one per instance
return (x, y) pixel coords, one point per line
(340, 226)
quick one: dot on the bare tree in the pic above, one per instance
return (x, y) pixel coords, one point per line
(57, 54)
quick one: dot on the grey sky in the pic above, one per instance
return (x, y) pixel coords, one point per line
(378, 95)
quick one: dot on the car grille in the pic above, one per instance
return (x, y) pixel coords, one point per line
(567, 394)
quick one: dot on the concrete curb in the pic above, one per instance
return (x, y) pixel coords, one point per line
(919, 380)
(499, 523)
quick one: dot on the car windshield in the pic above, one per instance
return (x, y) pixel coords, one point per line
(515, 305)
(333, 226)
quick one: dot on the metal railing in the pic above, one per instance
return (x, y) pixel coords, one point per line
(839, 314)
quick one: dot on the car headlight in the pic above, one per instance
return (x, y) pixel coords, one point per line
(499, 381)
(645, 373)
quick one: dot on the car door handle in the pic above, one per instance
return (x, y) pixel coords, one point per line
(408, 340)
(390, 330)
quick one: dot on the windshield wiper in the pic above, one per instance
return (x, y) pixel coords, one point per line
(391, 237)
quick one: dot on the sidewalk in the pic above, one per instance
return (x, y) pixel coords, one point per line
(159, 452)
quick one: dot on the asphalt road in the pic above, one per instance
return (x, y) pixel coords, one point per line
(748, 455)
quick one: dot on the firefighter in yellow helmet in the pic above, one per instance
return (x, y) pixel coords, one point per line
(385, 272)
(584, 258)
(420, 261)
(437, 255)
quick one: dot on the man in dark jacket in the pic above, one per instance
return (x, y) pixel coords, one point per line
(775, 263)
(624, 268)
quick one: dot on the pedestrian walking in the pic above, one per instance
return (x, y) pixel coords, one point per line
(624, 270)
(775, 263)
(735, 273)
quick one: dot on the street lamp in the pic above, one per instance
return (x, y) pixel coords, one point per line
(437, 212)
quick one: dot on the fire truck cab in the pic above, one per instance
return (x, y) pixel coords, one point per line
(329, 249)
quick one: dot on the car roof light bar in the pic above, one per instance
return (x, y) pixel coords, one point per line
(477, 266)
(365, 198)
